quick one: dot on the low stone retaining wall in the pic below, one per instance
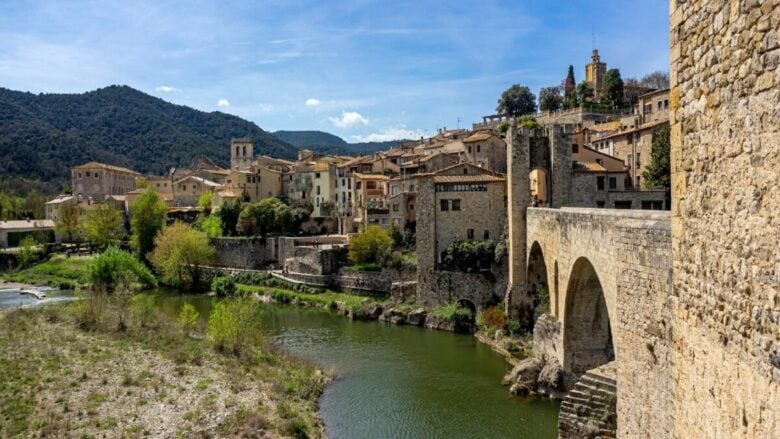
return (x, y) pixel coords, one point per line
(365, 281)
(245, 253)
(441, 287)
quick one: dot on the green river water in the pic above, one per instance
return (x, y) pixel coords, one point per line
(400, 381)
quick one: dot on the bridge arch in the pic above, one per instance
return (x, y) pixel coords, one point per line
(537, 285)
(469, 305)
(587, 330)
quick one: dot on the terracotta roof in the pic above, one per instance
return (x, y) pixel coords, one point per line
(484, 171)
(26, 224)
(639, 128)
(597, 167)
(92, 165)
(370, 176)
(467, 178)
(200, 179)
(478, 137)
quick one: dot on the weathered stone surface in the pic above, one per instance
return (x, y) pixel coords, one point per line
(369, 311)
(394, 316)
(550, 380)
(434, 322)
(417, 317)
(522, 378)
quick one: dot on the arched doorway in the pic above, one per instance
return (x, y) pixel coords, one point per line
(587, 336)
(537, 288)
(465, 303)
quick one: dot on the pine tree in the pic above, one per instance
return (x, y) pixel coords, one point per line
(570, 89)
(658, 174)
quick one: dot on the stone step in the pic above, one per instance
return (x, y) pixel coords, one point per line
(599, 380)
(595, 388)
(584, 392)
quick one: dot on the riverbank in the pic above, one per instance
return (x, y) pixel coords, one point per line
(59, 271)
(148, 380)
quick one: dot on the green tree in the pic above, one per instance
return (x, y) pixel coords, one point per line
(370, 246)
(211, 226)
(570, 89)
(204, 202)
(179, 252)
(658, 174)
(103, 226)
(233, 325)
(144, 309)
(67, 221)
(268, 216)
(613, 88)
(550, 99)
(228, 215)
(148, 219)
(516, 100)
(113, 267)
(27, 252)
(188, 318)
(655, 80)
(584, 93)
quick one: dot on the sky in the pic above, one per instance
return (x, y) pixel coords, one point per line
(363, 70)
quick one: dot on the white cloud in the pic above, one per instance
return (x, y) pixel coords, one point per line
(166, 89)
(223, 103)
(348, 119)
(311, 102)
(390, 133)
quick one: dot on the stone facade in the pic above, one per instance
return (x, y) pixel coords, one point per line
(725, 139)
(244, 253)
(98, 180)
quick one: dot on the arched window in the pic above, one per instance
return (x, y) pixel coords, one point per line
(236, 151)
(244, 151)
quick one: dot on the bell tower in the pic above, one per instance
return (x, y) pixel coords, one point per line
(241, 154)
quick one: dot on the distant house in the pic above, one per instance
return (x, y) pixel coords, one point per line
(12, 232)
(97, 181)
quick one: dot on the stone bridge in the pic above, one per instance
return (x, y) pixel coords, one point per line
(608, 274)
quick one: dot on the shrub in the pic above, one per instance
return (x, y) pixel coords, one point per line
(267, 216)
(179, 252)
(456, 314)
(223, 285)
(27, 253)
(233, 325)
(211, 226)
(188, 318)
(469, 255)
(370, 246)
(396, 235)
(491, 318)
(148, 218)
(144, 309)
(514, 327)
(114, 266)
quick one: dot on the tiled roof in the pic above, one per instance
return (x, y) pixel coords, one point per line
(200, 179)
(467, 178)
(92, 165)
(25, 224)
(370, 176)
(639, 128)
(478, 137)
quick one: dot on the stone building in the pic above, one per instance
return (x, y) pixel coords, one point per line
(486, 149)
(98, 180)
(725, 148)
(241, 154)
(55, 206)
(595, 71)
(187, 190)
(257, 183)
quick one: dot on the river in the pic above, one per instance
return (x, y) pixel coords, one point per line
(400, 381)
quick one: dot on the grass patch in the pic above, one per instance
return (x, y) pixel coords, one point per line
(59, 271)
(369, 266)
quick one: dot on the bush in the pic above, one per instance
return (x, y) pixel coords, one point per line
(179, 252)
(223, 285)
(114, 266)
(370, 266)
(188, 318)
(370, 246)
(211, 226)
(396, 235)
(456, 314)
(468, 256)
(233, 325)
(27, 253)
(491, 318)
(514, 327)
(144, 309)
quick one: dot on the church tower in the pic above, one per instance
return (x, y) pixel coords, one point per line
(241, 154)
(595, 73)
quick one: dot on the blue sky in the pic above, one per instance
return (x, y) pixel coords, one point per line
(363, 70)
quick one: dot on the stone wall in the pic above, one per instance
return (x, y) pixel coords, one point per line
(585, 192)
(436, 288)
(247, 253)
(379, 282)
(725, 136)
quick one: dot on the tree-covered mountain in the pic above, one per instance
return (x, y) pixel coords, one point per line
(326, 143)
(43, 135)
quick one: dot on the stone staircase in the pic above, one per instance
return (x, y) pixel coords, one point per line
(588, 410)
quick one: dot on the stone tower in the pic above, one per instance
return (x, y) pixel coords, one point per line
(241, 154)
(561, 178)
(518, 199)
(595, 72)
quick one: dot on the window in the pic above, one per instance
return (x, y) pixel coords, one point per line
(666, 103)
(575, 148)
(318, 190)
(317, 175)
(87, 174)
(486, 235)
(244, 148)
(612, 183)
(652, 205)
(470, 233)
(600, 204)
(357, 185)
(600, 183)
(469, 149)
(411, 206)
(465, 171)
(660, 105)
(628, 160)
(395, 207)
(638, 181)
(411, 188)
(638, 160)
(479, 147)
(623, 204)
(445, 205)
(456, 204)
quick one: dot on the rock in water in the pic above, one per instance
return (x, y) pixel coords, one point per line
(417, 317)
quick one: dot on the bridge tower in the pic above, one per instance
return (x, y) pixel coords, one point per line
(518, 190)
(560, 151)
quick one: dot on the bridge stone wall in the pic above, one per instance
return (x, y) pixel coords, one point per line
(630, 252)
(725, 144)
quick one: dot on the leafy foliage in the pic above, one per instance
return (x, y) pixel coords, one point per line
(103, 226)
(143, 308)
(67, 221)
(370, 246)
(210, 225)
(550, 99)
(613, 88)
(188, 317)
(656, 80)
(491, 318)
(42, 136)
(584, 93)
(516, 100)
(27, 252)
(204, 201)
(148, 219)
(658, 174)
(228, 215)
(454, 313)
(178, 252)
(223, 285)
(469, 255)
(267, 216)
(570, 89)
(233, 325)
(114, 266)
